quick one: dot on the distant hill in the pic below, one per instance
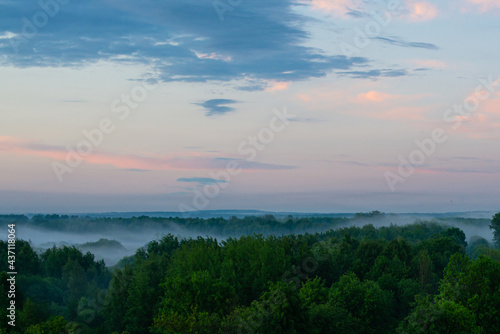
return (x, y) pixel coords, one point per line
(242, 213)
(102, 244)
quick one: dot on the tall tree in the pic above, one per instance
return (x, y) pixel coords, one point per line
(495, 226)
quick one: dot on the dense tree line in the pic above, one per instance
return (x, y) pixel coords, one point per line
(220, 227)
(419, 278)
(55, 285)
(267, 224)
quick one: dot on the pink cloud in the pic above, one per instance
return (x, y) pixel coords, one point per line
(334, 7)
(374, 96)
(391, 106)
(416, 10)
(421, 11)
(22, 147)
(182, 161)
(485, 121)
(274, 86)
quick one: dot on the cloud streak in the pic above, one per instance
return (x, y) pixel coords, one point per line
(201, 180)
(133, 162)
(405, 44)
(373, 74)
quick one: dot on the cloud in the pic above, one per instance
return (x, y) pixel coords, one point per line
(339, 8)
(185, 40)
(484, 123)
(186, 161)
(7, 35)
(460, 170)
(212, 55)
(250, 165)
(421, 11)
(373, 96)
(378, 97)
(275, 86)
(399, 42)
(373, 74)
(200, 180)
(217, 106)
(409, 10)
(391, 106)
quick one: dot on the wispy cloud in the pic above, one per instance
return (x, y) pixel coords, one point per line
(396, 41)
(211, 55)
(373, 74)
(187, 161)
(408, 10)
(200, 180)
(374, 96)
(7, 35)
(217, 106)
(389, 106)
(339, 8)
(275, 86)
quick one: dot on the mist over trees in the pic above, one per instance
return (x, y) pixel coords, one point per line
(354, 277)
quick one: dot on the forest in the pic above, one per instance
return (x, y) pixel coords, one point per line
(260, 275)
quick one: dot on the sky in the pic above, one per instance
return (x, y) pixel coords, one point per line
(280, 105)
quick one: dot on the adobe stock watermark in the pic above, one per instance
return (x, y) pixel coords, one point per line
(373, 28)
(223, 6)
(121, 107)
(248, 150)
(30, 27)
(453, 116)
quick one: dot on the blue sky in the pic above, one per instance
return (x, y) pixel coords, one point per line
(307, 105)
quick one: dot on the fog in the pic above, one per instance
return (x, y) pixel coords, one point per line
(131, 239)
(480, 228)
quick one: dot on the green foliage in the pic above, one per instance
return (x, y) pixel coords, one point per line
(495, 226)
(60, 283)
(370, 308)
(468, 301)
(440, 316)
(278, 310)
(313, 292)
(55, 326)
(116, 307)
(413, 279)
(27, 260)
